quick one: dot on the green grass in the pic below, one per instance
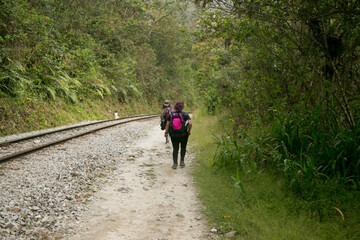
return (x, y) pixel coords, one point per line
(266, 209)
(30, 113)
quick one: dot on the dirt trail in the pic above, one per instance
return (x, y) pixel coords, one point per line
(146, 198)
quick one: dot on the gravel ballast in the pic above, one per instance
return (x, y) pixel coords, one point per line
(45, 193)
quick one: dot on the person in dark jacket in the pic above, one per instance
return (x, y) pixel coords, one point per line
(179, 136)
(164, 115)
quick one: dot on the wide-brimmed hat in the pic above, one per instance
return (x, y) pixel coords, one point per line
(167, 103)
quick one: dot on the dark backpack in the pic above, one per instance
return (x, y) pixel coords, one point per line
(164, 117)
(177, 125)
(167, 113)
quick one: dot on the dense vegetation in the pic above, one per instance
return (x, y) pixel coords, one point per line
(287, 73)
(73, 52)
(290, 69)
(258, 204)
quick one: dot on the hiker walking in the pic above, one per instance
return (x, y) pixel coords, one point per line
(179, 127)
(163, 117)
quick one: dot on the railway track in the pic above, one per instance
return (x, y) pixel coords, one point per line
(16, 147)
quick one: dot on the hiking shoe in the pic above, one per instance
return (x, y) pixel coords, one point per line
(174, 166)
(182, 164)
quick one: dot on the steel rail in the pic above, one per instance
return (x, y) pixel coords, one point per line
(7, 142)
(36, 148)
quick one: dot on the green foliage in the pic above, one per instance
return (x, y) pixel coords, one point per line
(307, 149)
(308, 152)
(232, 154)
(75, 50)
(288, 73)
(295, 53)
(265, 209)
(11, 80)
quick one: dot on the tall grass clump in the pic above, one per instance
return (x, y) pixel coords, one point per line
(307, 148)
(237, 181)
(317, 158)
(239, 153)
(310, 150)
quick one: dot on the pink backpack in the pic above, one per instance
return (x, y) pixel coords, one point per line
(177, 125)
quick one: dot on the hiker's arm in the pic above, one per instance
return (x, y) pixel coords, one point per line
(167, 128)
(190, 126)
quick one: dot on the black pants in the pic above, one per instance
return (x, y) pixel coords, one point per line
(175, 143)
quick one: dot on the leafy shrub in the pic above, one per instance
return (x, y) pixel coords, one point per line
(75, 50)
(302, 147)
(307, 149)
(242, 154)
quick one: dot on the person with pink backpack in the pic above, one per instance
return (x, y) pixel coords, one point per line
(179, 127)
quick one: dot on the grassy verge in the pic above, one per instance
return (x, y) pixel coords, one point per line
(266, 209)
(29, 114)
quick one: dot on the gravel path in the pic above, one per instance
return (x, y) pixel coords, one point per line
(114, 184)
